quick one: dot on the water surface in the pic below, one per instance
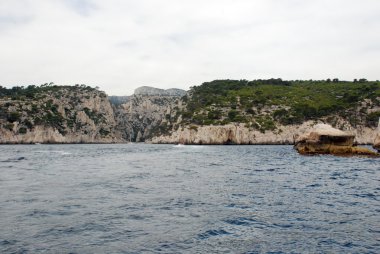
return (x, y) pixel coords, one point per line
(186, 199)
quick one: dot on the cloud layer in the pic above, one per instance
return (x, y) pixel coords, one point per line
(119, 45)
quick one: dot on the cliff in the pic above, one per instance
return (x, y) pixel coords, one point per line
(142, 116)
(273, 111)
(219, 112)
(81, 114)
(240, 134)
(57, 114)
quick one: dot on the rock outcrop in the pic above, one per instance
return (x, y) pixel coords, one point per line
(324, 139)
(143, 117)
(59, 115)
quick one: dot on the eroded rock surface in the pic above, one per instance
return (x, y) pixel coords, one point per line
(324, 139)
(59, 115)
(146, 114)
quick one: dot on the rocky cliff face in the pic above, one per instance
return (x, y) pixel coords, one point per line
(143, 116)
(272, 111)
(82, 114)
(58, 115)
(241, 135)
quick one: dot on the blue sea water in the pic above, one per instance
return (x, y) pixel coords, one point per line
(136, 198)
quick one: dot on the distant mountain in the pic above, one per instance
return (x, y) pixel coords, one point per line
(151, 91)
(118, 100)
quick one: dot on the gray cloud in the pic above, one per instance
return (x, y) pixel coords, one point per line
(10, 17)
(122, 44)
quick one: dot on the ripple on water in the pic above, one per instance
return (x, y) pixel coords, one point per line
(186, 199)
(212, 233)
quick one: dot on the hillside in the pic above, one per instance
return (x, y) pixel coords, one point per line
(271, 109)
(56, 114)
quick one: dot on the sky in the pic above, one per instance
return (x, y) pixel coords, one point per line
(120, 45)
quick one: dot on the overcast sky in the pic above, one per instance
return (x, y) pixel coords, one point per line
(120, 45)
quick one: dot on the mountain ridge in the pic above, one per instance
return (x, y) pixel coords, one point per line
(151, 91)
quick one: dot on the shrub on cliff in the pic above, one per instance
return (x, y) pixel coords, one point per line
(14, 117)
(373, 119)
(9, 126)
(22, 130)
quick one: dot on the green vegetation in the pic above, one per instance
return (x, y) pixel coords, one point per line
(262, 103)
(35, 92)
(22, 130)
(104, 132)
(9, 126)
(94, 116)
(193, 127)
(44, 105)
(13, 117)
(373, 119)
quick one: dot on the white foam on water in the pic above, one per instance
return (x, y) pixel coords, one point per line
(55, 152)
(188, 146)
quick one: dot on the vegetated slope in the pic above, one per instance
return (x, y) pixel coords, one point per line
(55, 114)
(262, 103)
(272, 105)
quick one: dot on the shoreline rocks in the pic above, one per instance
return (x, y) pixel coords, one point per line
(324, 139)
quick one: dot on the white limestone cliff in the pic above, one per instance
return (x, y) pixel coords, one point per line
(75, 116)
(239, 134)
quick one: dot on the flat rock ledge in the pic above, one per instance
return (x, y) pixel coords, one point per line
(324, 139)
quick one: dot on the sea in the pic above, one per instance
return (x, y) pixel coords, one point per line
(141, 198)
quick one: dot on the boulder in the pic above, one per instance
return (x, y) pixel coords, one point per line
(324, 139)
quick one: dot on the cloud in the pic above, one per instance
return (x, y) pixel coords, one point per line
(82, 7)
(122, 44)
(10, 17)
